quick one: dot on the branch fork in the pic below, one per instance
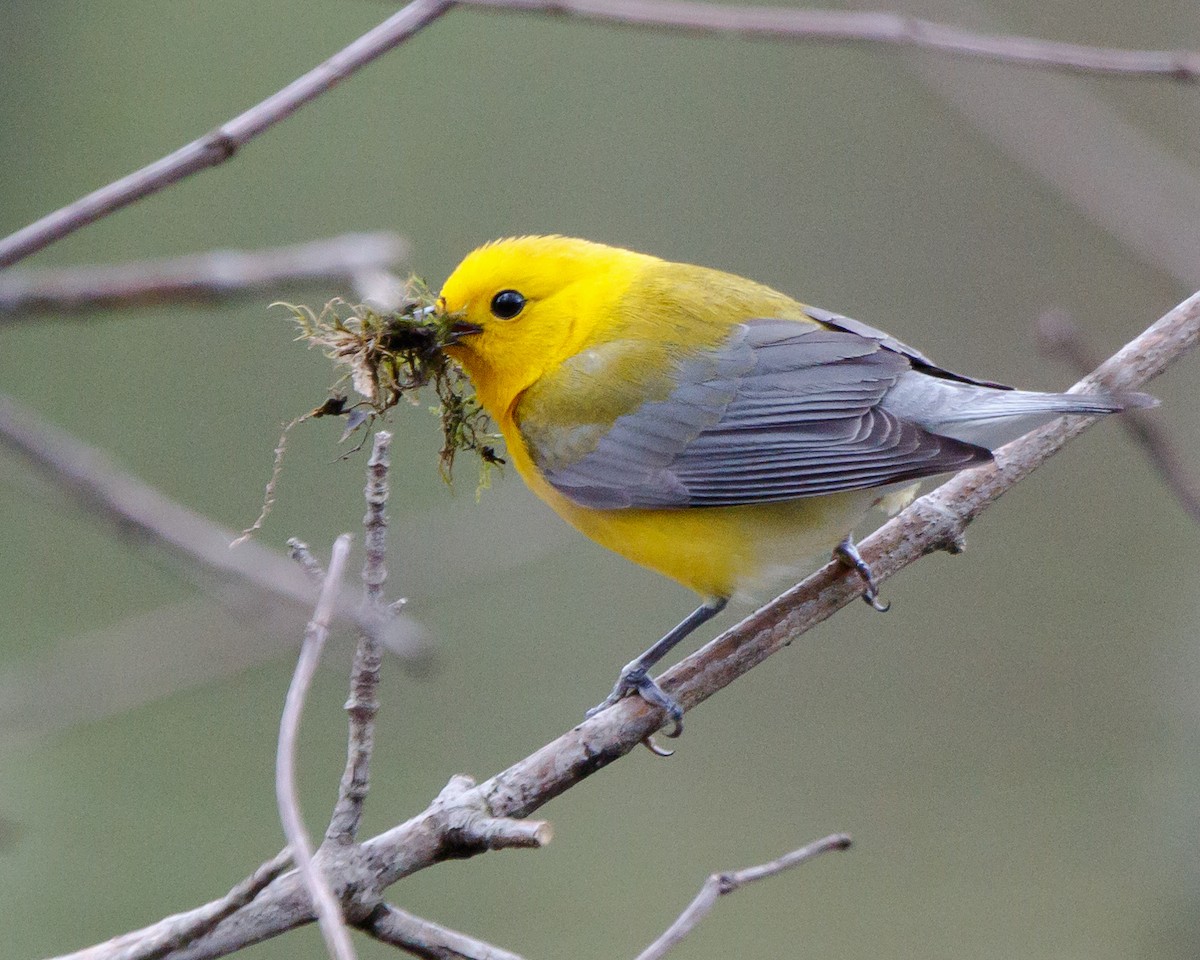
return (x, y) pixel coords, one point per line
(470, 828)
(343, 882)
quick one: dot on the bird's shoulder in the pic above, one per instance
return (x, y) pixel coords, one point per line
(563, 415)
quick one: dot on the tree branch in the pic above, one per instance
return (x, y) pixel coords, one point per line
(201, 545)
(298, 550)
(363, 703)
(1059, 336)
(842, 26)
(221, 144)
(428, 940)
(827, 26)
(327, 909)
(174, 932)
(203, 277)
(443, 831)
(1137, 189)
(719, 884)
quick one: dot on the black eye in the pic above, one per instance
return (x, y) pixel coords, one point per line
(507, 304)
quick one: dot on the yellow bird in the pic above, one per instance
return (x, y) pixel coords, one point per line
(704, 425)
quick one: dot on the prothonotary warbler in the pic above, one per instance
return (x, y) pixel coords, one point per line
(704, 425)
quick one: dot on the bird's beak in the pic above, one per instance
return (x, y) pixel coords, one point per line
(460, 329)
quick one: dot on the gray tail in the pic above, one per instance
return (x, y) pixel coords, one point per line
(991, 417)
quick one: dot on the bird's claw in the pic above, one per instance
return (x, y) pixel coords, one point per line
(638, 681)
(655, 749)
(848, 554)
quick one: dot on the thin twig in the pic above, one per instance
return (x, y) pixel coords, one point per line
(932, 523)
(176, 932)
(719, 884)
(222, 143)
(827, 26)
(841, 26)
(328, 910)
(201, 545)
(117, 666)
(1137, 188)
(203, 277)
(1060, 336)
(426, 939)
(298, 550)
(375, 521)
(363, 704)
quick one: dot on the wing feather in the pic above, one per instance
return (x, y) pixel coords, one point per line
(782, 410)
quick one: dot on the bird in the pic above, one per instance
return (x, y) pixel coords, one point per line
(706, 426)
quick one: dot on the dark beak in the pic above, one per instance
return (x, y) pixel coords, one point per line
(460, 329)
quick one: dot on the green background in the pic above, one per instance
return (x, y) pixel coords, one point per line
(1014, 747)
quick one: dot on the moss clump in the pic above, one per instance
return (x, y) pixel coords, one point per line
(391, 356)
(388, 357)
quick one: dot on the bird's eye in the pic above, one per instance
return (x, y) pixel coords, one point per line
(507, 304)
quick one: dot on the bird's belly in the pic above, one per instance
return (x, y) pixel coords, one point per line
(725, 551)
(738, 551)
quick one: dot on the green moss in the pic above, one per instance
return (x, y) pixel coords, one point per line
(387, 357)
(392, 356)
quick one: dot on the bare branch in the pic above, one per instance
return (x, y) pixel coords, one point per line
(933, 522)
(466, 826)
(221, 144)
(469, 829)
(298, 550)
(1059, 336)
(328, 910)
(827, 26)
(840, 26)
(204, 277)
(457, 824)
(428, 940)
(1137, 188)
(141, 510)
(246, 630)
(719, 884)
(175, 932)
(375, 522)
(363, 704)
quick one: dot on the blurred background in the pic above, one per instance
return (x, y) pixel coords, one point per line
(1014, 747)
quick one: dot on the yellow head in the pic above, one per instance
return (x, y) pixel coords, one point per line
(525, 304)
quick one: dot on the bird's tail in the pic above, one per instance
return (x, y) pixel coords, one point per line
(991, 417)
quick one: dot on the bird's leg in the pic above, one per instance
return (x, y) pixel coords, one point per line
(635, 675)
(848, 554)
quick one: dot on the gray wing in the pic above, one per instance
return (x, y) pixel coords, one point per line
(781, 411)
(919, 360)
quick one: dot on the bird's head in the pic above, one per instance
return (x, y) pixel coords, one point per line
(521, 306)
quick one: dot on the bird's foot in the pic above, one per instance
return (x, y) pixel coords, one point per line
(637, 680)
(848, 554)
